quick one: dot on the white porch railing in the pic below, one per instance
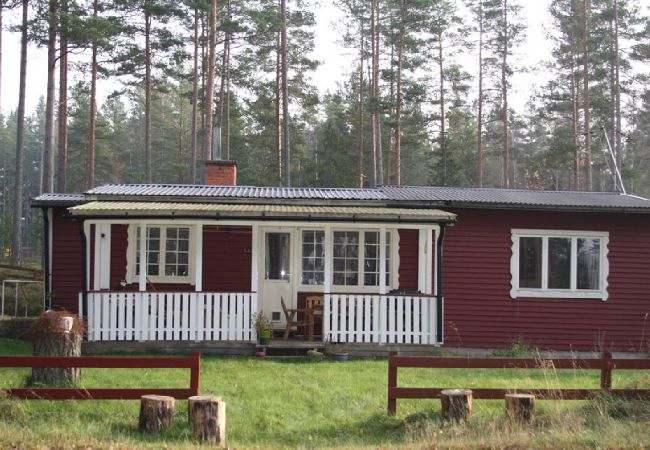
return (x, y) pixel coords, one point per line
(399, 319)
(167, 316)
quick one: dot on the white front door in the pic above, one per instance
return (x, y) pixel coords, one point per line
(277, 273)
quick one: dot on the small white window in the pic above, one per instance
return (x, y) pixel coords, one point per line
(561, 264)
(168, 253)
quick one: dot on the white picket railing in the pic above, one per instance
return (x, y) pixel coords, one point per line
(399, 319)
(170, 316)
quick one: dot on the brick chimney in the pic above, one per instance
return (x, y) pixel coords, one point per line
(221, 172)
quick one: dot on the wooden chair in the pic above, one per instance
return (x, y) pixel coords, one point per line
(291, 314)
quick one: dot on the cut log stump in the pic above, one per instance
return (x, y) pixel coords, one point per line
(156, 413)
(520, 408)
(207, 416)
(56, 344)
(456, 404)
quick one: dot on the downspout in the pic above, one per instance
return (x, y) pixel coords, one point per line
(47, 281)
(84, 271)
(440, 302)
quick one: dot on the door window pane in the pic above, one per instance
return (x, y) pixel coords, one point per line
(277, 256)
(530, 262)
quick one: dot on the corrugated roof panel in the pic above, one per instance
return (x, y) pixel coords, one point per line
(108, 208)
(172, 190)
(515, 197)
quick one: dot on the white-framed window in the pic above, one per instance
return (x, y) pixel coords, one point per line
(169, 253)
(560, 264)
(355, 258)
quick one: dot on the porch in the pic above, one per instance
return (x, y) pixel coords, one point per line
(218, 316)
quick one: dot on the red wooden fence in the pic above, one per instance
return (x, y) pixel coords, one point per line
(605, 364)
(192, 362)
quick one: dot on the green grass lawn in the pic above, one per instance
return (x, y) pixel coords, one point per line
(289, 403)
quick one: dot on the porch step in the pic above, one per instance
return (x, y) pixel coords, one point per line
(290, 347)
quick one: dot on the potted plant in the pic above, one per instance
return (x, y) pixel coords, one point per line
(262, 327)
(338, 352)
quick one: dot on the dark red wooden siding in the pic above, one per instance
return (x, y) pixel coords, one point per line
(479, 311)
(227, 258)
(66, 261)
(409, 241)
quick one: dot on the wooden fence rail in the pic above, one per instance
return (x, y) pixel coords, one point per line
(192, 362)
(605, 364)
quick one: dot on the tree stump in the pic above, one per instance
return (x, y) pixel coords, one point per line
(520, 408)
(207, 416)
(56, 334)
(456, 404)
(156, 412)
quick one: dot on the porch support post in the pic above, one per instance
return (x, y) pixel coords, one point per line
(142, 251)
(440, 307)
(329, 256)
(102, 257)
(425, 261)
(86, 236)
(382, 261)
(198, 261)
(255, 242)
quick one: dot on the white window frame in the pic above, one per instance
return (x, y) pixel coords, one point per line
(360, 286)
(544, 291)
(132, 251)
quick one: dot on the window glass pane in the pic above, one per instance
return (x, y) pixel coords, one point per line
(312, 257)
(277, 256)
(530, 262)
(559, 263)
(346, 258)
(588, 263)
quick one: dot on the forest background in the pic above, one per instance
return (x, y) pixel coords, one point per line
(426, 98)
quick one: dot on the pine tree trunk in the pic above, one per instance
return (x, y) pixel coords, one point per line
(92, 128)
(1, 60)
(398, 107)
(286, 150)
(222, 88)
(479, 118)
(62, 166)
(195, 95)
(504, 94)
(576, 125)
(373, 170)
(617, 92)
(209, 83)
(379, 149)
(17, 253)
(361, 128)
(585, 100)
(47, 176)
(147, 94)
(443, 137)
(278, 108)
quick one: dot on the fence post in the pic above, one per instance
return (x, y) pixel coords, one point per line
(606, 371)
(195, 373)
(392, 383)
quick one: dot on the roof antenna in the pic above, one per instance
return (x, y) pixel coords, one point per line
(611, 153)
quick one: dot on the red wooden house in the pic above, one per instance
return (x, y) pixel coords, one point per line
(557, 269)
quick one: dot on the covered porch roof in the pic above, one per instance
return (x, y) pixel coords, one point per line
(131, 209)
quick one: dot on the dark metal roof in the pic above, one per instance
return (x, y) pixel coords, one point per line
(394, 196)
(490, 197)
(207, 191)
(54, 199)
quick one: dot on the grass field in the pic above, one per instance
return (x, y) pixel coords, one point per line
(300, 403)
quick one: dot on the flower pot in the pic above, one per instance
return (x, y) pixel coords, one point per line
(265, 337)
(340, 356)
